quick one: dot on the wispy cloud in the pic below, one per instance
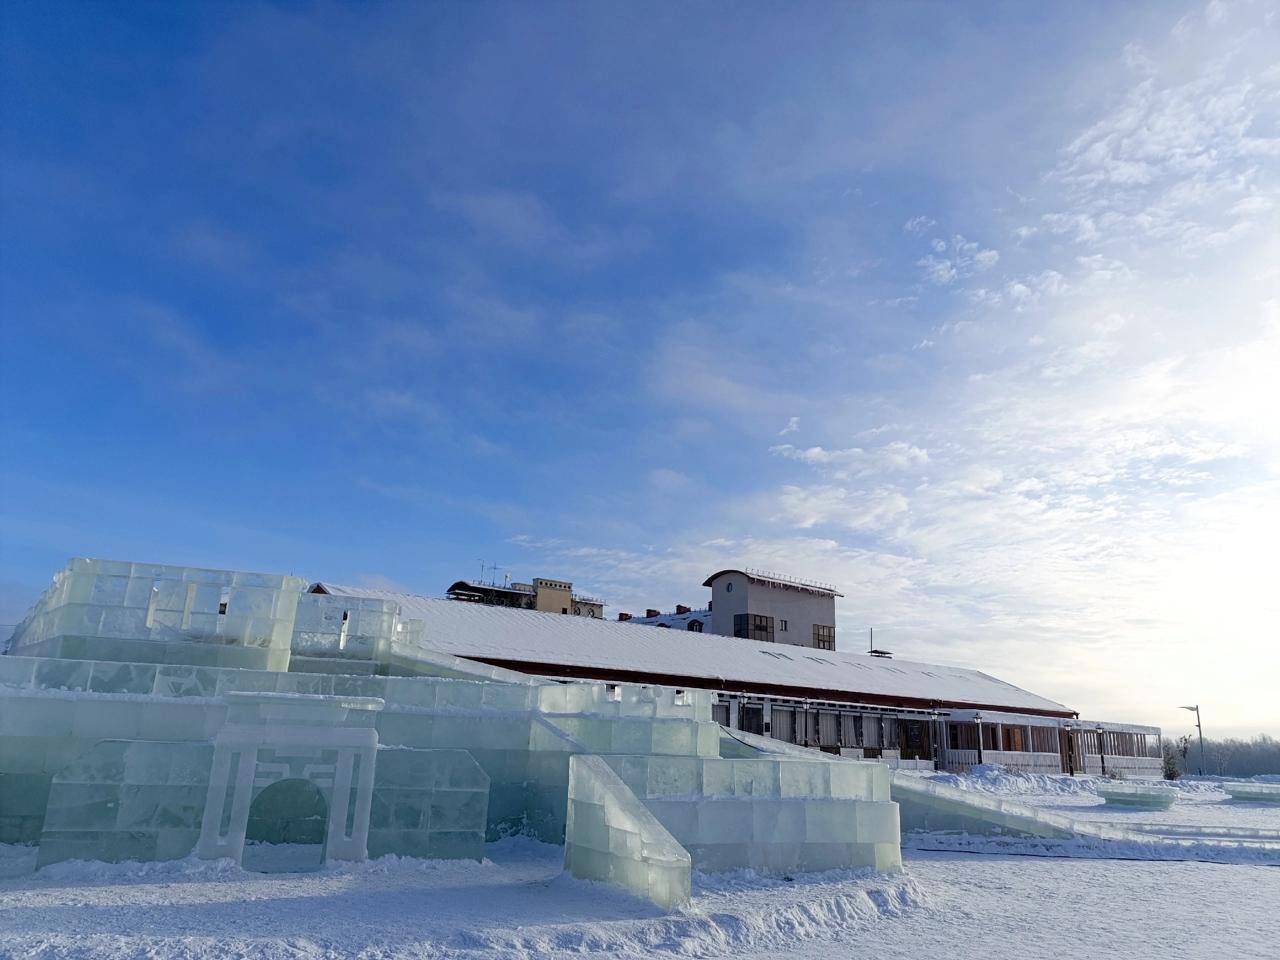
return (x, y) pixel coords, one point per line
(956, 259)
(524, 222)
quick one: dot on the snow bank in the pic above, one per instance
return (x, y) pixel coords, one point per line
(995, 778)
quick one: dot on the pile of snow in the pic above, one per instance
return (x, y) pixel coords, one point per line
(996, 778)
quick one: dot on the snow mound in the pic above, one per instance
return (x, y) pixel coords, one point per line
(995, 778)
(729, 915)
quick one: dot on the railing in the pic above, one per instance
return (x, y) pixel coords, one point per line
(792, 581)
(1126, 766)
(959, 761)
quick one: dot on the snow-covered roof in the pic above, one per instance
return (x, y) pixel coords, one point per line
(778, 580)
(673, 621)
(508, 636)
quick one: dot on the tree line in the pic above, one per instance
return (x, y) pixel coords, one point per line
(1230, 757)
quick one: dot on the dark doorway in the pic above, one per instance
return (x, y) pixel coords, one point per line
(287, 825)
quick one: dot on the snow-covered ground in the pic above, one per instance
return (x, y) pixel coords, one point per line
(518, 905)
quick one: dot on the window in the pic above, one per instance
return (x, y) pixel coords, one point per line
(753, 626)
(824, 638)
(695, 626)
(782, 626)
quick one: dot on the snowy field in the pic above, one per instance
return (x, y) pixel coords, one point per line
(517, 905)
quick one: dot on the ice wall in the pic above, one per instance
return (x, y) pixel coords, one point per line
(428, 803)
(773, 815)
(150, 613)
(521, 734)
(937, 808)
(1252, 791)
(127, 800)
(1138, 795)
(611, 837)
(356, 628)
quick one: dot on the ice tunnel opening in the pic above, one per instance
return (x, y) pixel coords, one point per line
(286, 831)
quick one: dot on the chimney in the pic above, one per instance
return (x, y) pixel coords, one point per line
(623, 617)
(681, 608)
(652, 612)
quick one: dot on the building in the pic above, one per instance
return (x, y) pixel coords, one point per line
(684, 618)
(548, 596)
(901, 711)
(755, 605)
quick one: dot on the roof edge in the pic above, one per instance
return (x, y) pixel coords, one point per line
(776, 581)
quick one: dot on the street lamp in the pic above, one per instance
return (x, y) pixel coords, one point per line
(1071, 759)
(933, 716)
(1200, 731)
(977, 718)
(1102, 756)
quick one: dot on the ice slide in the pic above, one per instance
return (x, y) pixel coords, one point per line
(935, 816)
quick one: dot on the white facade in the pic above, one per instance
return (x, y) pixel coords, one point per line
(791, 609)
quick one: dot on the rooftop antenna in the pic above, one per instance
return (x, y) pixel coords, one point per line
(872, 646)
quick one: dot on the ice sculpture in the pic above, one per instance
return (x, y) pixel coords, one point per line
(770, 815)
(127, 800)
(1253, 791)
(1137, 795)
(138, 612)
(276, 736)
(357, 628)
(150, 711)
(610, 836)
(931, 807)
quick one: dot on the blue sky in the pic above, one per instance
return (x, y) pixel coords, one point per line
(971, 309)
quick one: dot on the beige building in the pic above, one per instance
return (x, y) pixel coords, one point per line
(545, 595)
(755, 605)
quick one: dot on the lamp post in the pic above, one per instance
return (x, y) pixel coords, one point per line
(1102, 756)
(1071, 759)
(933, 716)
(977, 718)
(1200, 731)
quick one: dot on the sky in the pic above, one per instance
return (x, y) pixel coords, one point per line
(971, 309)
